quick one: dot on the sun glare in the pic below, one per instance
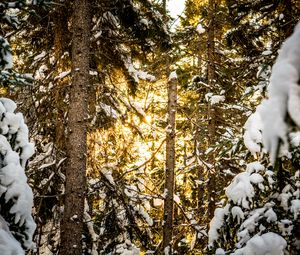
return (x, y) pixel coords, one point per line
(148, 119)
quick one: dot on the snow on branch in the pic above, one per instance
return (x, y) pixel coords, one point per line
(284, 96)
(17, 225)
(252, 135)
(173, 76)
(6, 59)
(137, 75)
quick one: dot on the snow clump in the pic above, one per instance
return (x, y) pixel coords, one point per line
(269, 243)
(284, 96)
(15, 150)
(5, 55)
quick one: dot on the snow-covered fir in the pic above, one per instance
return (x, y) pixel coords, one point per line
(17, 224)
(262, 212)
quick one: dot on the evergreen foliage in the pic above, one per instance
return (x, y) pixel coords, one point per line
(130, 42)
(9, 19)
(262, 212)
(16, 200)
(119, 41)
(16, 197)
(271, 205)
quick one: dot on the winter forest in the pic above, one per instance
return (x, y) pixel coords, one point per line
(128, 129)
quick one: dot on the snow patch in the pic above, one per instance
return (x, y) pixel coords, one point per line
(172, 75)
(200, 29)
(284, 95)
(268, 243)
(15, 150)
(216, 223)
(5, 54)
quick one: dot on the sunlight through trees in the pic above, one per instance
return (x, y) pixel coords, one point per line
(160, 127)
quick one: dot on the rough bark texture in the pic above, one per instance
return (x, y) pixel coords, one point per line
(211, 43)
(72, 223)
(210, 109)
(200, 191)
(170, 165)
(164, 4)
(60, 18)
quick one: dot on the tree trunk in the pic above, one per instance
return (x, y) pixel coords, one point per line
(211, 114)
(170, 167)
(164, 5)
(60, 18)
(211, 42)
(72, 223)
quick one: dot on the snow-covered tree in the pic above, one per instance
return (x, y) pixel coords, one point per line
(262, 212)
(259, 215)
(121, 39)
(9, 19)
(16, 198)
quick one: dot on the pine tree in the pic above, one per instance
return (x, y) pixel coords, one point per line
(16, 197)
(262, 212)
(119, 37)
(170, 165)
(9, 20)
(73, 216)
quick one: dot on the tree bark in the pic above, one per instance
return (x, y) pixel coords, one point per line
(170, 166)
(211, 43)
(164, 5)
(211, 114)
(60, 17)
(75, 187)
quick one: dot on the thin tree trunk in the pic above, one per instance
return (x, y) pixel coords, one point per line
(210, 109)
(200, 191)
(61, 41)
(164, 5)
(211, 42)
(72, 223)
(199, 138)
(170, 167)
